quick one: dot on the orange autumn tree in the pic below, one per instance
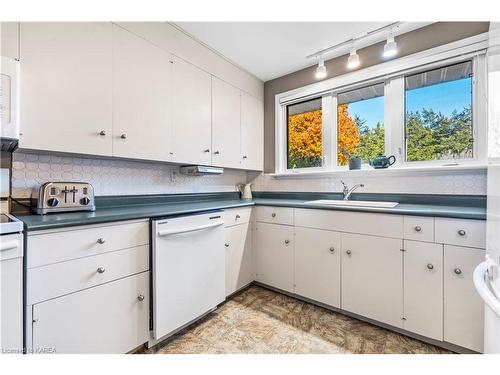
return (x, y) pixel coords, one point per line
(347, 135)
(305, 137)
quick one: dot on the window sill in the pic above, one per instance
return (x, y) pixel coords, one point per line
(391, 171)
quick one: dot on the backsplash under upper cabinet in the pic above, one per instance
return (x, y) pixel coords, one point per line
(113, 177)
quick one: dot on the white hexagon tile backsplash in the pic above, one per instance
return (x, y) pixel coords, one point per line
(113, 177)
(122, 177)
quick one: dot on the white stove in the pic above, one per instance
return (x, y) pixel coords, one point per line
(10, 224)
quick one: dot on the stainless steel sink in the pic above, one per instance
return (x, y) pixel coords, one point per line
(333, 202)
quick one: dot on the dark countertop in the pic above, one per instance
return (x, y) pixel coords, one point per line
(111, 209)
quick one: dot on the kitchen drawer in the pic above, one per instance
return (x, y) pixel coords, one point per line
(418, 228)
(11, 246)
(62, 278)
(78, 242)
(277, 215)
(236, 216)
(383, 225)
(108, 319)
(471, 233)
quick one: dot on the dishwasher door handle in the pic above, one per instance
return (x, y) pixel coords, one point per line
(169, 232)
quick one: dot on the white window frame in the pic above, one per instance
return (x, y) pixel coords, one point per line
(392, 73)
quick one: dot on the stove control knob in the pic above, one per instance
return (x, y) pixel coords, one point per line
(84, 201)
(52, 202)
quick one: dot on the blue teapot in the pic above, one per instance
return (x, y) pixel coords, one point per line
(382, 161)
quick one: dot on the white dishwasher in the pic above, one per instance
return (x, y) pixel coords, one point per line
(188, 263)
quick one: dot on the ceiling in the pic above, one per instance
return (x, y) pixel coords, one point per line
(271, 49)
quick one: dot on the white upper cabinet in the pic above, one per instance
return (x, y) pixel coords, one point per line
(191, 114)
(226, 129)
(142, 93)
(66, 87)
(9, 40)
(252, 132)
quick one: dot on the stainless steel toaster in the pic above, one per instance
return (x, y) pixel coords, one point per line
(65, 197)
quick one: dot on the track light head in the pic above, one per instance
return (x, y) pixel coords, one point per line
(353, 60)
(321, 69)
(390, 47)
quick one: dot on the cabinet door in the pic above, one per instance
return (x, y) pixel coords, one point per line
(317, 265)
(11, 305)
(372, 277)
(142, 84)
(423, 288)
(191, 114)
(274, 255)
(226, 103)
(110, 318)
(9, 40)
(66, 87)
(239, 263)
(252, 132)
(463, 308)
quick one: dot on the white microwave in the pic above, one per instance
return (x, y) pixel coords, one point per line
(9, 103)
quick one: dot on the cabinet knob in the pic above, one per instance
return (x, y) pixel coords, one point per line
(418, 229)
(457, 271)
(244, 156)
(332, 249)
(273, 214)
(226, 245)
(101, 270)
(206, 150)
(123, 136)
(287, 242)
(461, 232)
(430, 266)
(102, 132)
(216, 153)
(140, 297)
(238, 216)
(101, 241)
(348, 252)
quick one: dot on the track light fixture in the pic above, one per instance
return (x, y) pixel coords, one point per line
(390, 47)
(321, 69)
(353, 59)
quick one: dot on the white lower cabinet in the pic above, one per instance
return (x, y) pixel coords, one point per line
(423, 289)
(274, 255)
(110, 318)
(317, 265)
(463, 308)
(239, 262)
(372, 279)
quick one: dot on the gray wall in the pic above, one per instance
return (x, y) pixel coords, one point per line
(427, 37)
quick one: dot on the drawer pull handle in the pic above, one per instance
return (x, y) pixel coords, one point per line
(238, 216)
(273, 214)
(101, 241)
(457, 271)
(216, 153)
(287, 242)
(123, 136)
(461, 232)
(206, 150)
(102, 132)
(430, 266)
(140, 297)
(348, 252)
(332, 249)
(101, 270)
(226, 245)
(418, 229)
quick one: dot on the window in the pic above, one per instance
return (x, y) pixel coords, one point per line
(429, 110)
(360, 123)
(304, 134)
(438, 114)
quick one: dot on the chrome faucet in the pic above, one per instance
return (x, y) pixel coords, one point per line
(347, 192)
